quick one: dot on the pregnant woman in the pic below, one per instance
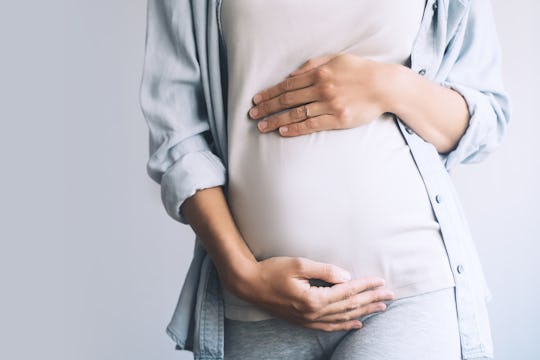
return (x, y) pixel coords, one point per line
(308, 146)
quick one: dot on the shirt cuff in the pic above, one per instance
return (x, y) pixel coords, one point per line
(484, 132)
(191, 172)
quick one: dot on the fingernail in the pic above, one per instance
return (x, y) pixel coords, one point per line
(257, 98)
(263, 125)
(254, 111)
(357, 325)
(283, 129)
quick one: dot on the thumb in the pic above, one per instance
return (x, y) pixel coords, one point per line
(328, 272)
(311, 64)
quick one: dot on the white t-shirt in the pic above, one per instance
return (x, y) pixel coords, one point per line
(350, 197)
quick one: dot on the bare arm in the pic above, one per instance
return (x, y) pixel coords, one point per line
(280, 284)
(209, 216)
(436, 113)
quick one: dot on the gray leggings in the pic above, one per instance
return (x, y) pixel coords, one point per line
(417, 327)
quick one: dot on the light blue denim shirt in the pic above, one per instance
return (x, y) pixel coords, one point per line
(183, 99)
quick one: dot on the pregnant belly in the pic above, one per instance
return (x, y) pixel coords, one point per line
(339, 196)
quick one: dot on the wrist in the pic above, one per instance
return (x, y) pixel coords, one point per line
(394, 79)
(239, 274)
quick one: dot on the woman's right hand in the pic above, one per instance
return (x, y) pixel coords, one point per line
(281, 286)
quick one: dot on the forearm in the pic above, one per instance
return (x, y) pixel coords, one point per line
(436, 113)
(209, 216)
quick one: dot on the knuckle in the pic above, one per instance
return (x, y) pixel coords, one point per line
(352, 305)
(298, 113)
(322, 73)
(284, 98)
(312, 123)
(293, 129)
(264, 107)
(311, 305)
(297, 306)
(335, 104)
(272, 123)
(284, 85)
(361, 311)
(349, 293)
(380, 295)
(298, 264)
(372, 296)
(311, 316)
(327, 90)
(343, 114)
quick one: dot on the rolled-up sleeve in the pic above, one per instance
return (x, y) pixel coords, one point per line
(477, 76)
(172, 102)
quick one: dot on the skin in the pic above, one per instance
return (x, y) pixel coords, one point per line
(280, 284)
(343, 91)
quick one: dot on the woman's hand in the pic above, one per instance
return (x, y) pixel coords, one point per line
(344, 91)
(281, 286)
(340, 91)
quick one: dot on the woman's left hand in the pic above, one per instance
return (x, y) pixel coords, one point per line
(340, 91)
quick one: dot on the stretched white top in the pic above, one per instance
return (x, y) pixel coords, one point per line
(350, 197)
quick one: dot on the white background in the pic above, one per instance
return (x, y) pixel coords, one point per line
(91, 265)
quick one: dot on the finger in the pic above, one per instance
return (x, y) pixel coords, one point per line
(283, 101)
(294, 115)
(307, 269)
(343, 291)
(361, 299)
(321, 118)
(286, 85)
(310, 125)
(354, 313)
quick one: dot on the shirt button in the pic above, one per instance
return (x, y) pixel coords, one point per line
(435, 6)
(408, 129)
(422, 72)
(438, 198)
(460, 268)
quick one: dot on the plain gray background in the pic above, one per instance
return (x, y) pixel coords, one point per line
(91, 265)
